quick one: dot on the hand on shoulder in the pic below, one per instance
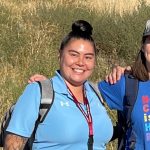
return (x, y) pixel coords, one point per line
(116, 73)
(36, 77)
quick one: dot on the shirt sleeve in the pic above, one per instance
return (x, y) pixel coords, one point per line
(26, 111)
(113, 94)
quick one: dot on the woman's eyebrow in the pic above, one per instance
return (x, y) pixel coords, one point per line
(71, 50)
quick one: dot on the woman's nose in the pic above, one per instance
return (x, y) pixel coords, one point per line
(81, 61)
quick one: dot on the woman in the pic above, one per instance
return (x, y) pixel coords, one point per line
(114, 95)
(71, 126)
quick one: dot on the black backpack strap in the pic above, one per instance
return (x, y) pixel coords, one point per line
(97, 92)
(131, 92)
(47, 98)
(124, 117)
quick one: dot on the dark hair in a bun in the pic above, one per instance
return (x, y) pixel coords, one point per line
(82, 27)
(80, 30)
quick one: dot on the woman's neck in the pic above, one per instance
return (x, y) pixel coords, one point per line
(77, 91)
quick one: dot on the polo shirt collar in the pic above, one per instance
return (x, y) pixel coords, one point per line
(60, 85)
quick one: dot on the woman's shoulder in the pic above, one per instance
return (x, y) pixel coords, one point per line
(33, 85)
(118, 82)
(31, 89)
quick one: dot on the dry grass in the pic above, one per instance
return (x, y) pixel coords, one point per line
(119, 6)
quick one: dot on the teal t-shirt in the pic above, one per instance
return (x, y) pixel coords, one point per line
(65, 127)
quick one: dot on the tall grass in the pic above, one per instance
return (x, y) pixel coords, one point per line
(31, 30)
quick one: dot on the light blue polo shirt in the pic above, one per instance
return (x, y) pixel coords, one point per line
(65, 127)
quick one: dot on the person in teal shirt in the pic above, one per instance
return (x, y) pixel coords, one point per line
(77, 115)
(113, 91)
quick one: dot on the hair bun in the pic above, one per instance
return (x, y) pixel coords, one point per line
(81, 26)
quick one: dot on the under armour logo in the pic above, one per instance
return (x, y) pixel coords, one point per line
(64, 103)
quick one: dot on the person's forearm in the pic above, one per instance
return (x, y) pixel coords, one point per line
(14, 142)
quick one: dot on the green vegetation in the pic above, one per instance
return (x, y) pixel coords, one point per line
(30, 33)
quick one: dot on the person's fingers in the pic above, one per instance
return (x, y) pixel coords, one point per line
(32, 78)
(118, 75)
(119, 72)
(114, 75)
(40, 78)
(36, 77)
(109, 78)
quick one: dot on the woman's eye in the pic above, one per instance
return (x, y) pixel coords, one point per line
(73, 54)
(88, 57)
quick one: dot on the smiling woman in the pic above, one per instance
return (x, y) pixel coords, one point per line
(77, 61)
(83, 119)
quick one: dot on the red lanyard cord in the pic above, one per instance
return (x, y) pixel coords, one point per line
(87, 116)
